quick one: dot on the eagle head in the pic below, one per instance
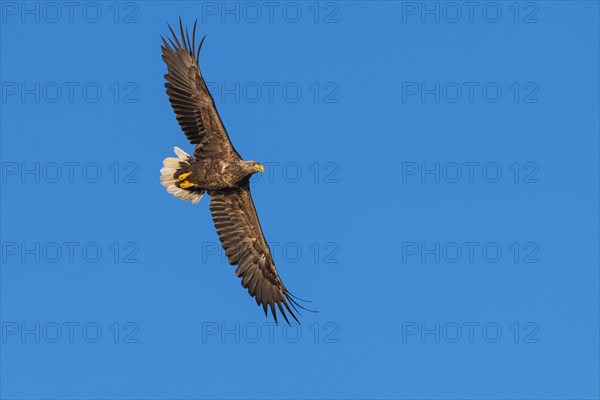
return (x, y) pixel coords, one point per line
(252, 167)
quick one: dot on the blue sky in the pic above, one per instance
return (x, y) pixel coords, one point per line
(431, 185)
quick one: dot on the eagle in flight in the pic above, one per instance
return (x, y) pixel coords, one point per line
(217, 168)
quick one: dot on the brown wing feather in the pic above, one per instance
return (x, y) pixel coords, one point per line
(192, 102)
(240, 233)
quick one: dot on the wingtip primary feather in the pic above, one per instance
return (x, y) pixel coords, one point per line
(182, 34)
(194, 35)
(200, 47)
(283, 312)
(272, 305)
(164, 41)
(176, 44)
(189, 43)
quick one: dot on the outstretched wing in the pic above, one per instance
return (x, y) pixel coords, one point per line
(240, 233)
(193, 105)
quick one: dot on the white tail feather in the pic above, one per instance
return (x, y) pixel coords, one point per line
(168, 180)
(180, 153)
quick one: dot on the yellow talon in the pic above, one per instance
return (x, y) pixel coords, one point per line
(183, 177)
(186, 184)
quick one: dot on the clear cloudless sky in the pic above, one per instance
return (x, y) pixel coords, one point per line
(431, 186)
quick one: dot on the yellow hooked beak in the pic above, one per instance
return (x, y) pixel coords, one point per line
(260, 167)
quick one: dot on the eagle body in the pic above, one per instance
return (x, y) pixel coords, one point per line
(217, 168)
(210, 174)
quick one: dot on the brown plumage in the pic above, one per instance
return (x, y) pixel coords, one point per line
(219, 169)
